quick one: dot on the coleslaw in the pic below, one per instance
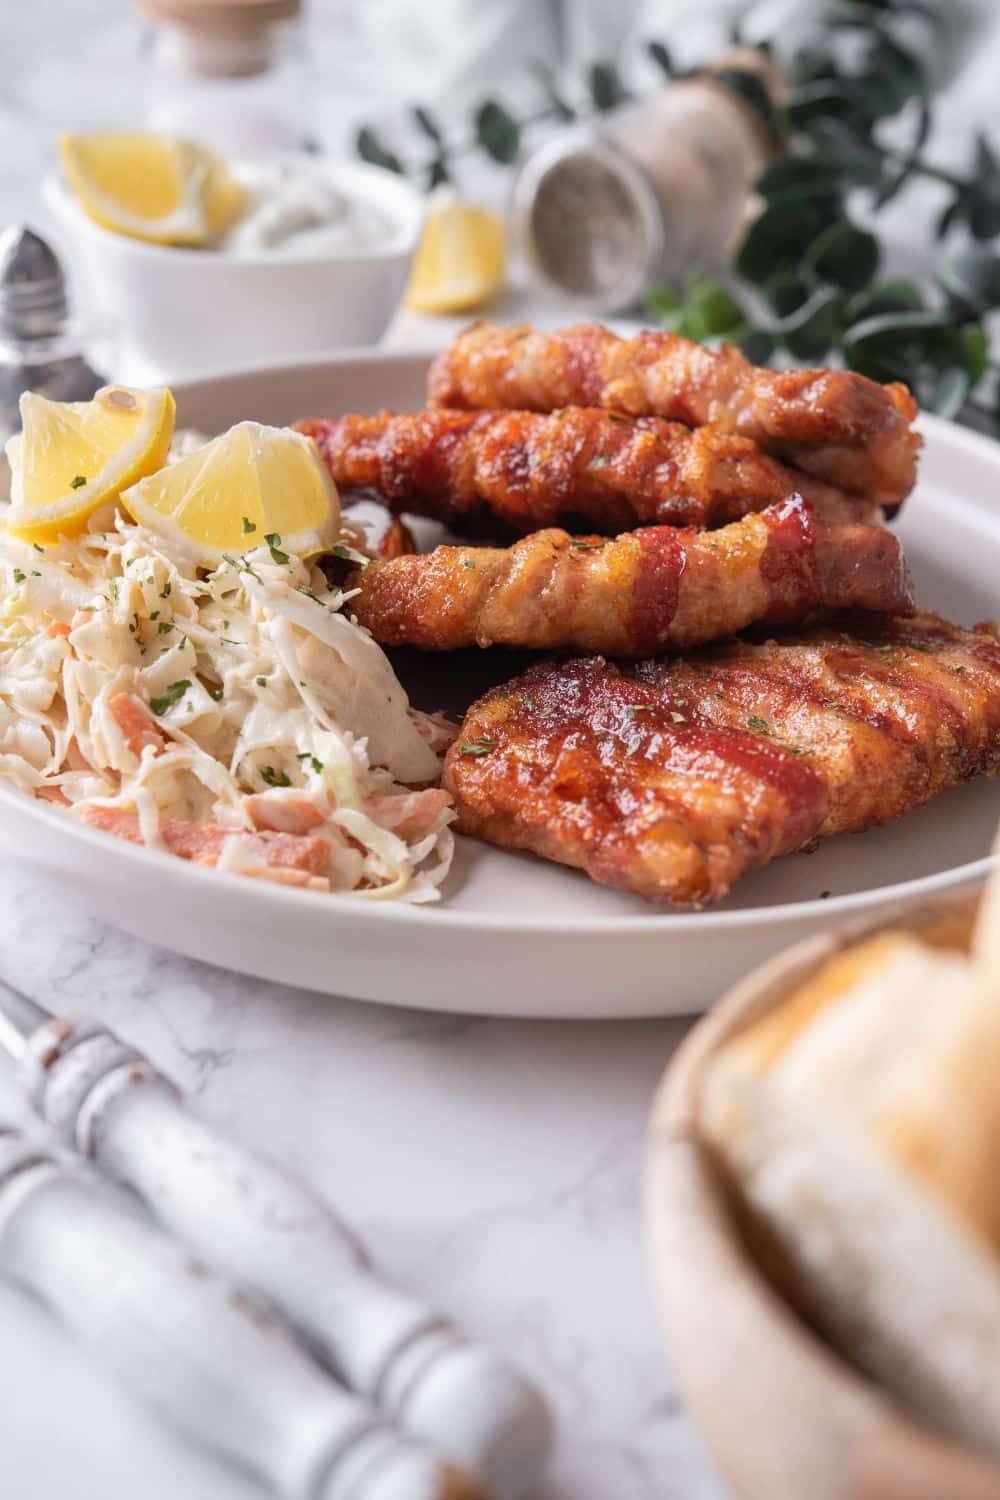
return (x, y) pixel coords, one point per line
(236, 717)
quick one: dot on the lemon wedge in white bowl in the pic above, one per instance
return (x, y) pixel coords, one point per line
(152, 187)
(72, 457)
(253, 486)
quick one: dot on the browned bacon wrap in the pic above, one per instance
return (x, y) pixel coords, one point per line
(841, 427)
(644, 592)
(579, 467)
(675, 778)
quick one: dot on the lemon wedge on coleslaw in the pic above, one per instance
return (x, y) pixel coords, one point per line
(254, 486)
(151, 186)
(72, 457)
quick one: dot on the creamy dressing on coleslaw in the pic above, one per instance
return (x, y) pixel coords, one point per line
(217, 711)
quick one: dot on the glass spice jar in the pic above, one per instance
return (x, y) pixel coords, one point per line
(232, 73)
(650, 192)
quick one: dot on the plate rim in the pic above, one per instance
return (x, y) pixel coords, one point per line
(438, 914)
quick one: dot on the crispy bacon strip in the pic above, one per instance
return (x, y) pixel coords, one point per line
(578, 467)
(845, 429)
(203, 843)
(674, 778)
(645, 592)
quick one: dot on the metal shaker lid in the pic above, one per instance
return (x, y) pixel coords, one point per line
(588, 219)
(32, 287)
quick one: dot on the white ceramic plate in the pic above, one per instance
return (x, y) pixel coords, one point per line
(516, 936)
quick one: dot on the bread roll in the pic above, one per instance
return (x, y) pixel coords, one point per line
(859, 1122)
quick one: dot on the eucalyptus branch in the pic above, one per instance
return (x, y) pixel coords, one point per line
(806, 280)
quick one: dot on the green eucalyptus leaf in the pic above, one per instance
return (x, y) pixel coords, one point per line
(660, 54)
(953, 214)
(948, 391)
(713, 308)
(606, 87)
(427, 123)
(844, 255)
(662, 302)
(813, 64)
(778, 239)
(896, 73)
(787, 292)
(811, 331)
(883, 297)
(975, 345)
(370, 148)
(886, 328)
(437, 173)
(757, 344)
(558, 107)
(895, 179)
(971, 280)
(497, 132)
(980, 199)
(797, 174)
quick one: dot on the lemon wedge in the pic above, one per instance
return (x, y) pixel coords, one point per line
(459, 263)
(254, 486)
(71, 457)
(151, 186)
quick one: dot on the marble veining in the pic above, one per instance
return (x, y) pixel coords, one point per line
(492, 1166)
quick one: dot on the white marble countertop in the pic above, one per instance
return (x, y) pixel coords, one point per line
(493, 1166)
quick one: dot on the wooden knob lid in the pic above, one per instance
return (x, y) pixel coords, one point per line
(236, 18)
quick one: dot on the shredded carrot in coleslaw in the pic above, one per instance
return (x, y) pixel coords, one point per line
(238, 717)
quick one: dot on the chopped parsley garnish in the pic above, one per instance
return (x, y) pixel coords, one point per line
(113, 591)
(273, 541)
(134, 624)
(529, 702)
(155, 615)
(560, 416)
(171, 695)
(614, 416)
(482, 746)
(756, 723)
(344, 553)
(216, 694)
(271, 777)
(581, 545)
(38, 546)
(468, 563)
(631, 709)
(317, 765)
(678, 718)
(78, 481)
(261, 681)
(165, 591)
(19, 577)
(165, 627)
(248, 526)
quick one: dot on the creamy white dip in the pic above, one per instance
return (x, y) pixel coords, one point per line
(295, 210)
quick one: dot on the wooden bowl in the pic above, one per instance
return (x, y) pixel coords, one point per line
(785, 1416)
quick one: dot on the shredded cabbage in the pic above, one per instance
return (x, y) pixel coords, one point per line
(238, 717)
